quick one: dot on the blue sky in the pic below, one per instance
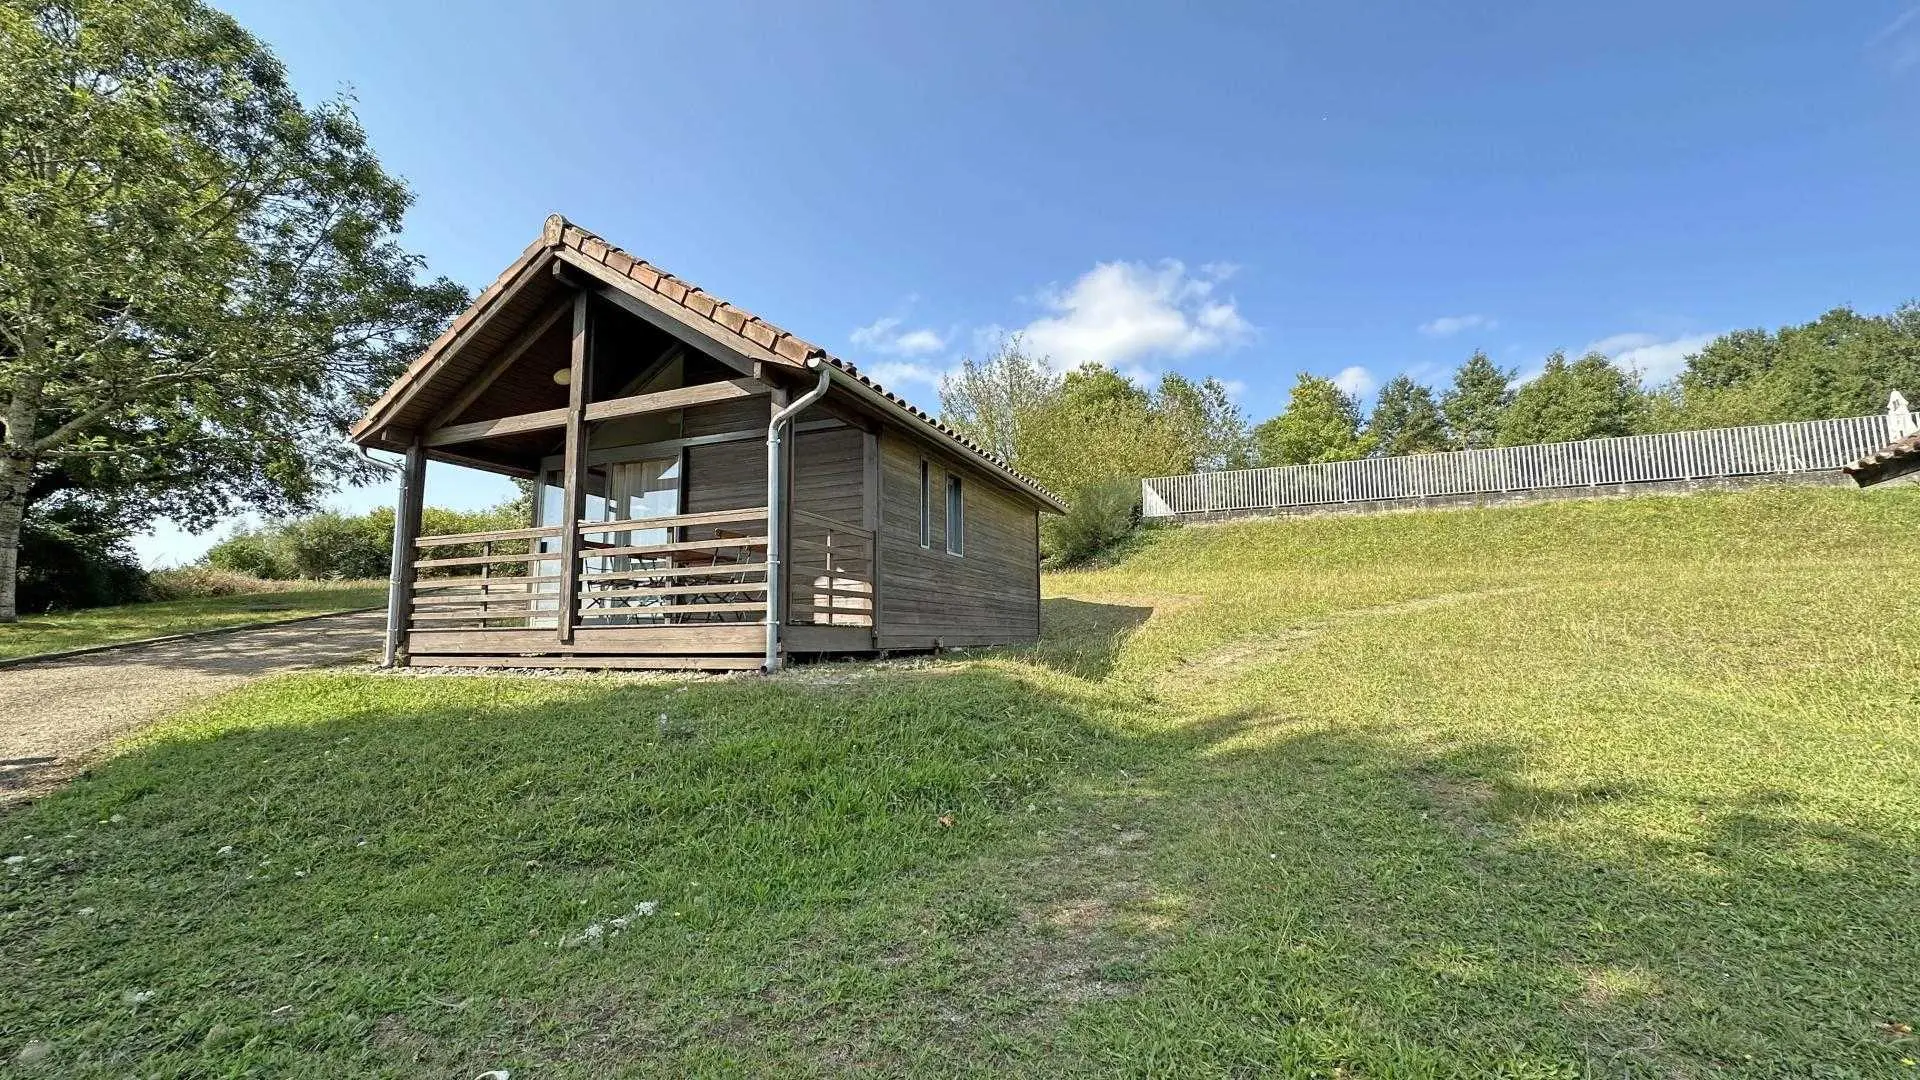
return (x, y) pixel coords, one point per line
(1247, 191)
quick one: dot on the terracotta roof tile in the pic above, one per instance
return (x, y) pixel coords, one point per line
(1877, 463)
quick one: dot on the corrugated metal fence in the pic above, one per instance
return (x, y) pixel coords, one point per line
(1769, 449)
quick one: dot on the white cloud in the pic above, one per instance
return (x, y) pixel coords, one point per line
(1449, 325)
(1121, 312)
(896, 373)
(1355, 381)
(885, 335)
(1657, 359)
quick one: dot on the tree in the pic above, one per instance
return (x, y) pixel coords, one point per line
(1841, 364)
(1320, 423)
(1406, 420)
(1590, 398)
(1205, 420)
(199, 279)
(989, 400)
(1471, 408)
(1099, 427)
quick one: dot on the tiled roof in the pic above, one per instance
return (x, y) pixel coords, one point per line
(785, 347)
(1894, 459)
(758, 337)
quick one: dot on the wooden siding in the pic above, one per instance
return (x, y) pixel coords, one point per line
(829, 474)
(988, 596)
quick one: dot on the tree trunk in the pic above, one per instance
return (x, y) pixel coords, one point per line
(13, 501)
(17, 430)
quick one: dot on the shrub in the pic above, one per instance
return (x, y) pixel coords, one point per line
(257, 553)
(1099, 516)
(200, 582)
(334, 547)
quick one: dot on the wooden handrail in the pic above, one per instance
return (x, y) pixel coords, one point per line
(829, 523)
(449, 539)
(684, 545)
(676, 521)
(475, 581)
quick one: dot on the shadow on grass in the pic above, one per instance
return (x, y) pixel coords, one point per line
(939, 873)
(1083, 638)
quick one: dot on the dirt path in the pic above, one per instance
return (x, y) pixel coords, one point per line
(57, 717)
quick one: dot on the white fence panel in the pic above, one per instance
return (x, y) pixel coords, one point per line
(1760, 450)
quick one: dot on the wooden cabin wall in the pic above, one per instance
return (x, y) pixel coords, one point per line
(988, 596)
(829, 474)
(728, 475)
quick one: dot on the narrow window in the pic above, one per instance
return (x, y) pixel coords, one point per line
(956, 517)
(926, 506)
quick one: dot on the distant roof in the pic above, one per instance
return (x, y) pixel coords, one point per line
(1897, 458)
(755, 337)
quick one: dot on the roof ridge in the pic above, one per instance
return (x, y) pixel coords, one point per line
(562, 233)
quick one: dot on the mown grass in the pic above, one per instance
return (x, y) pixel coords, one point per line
(1619, 788)
(35, 634)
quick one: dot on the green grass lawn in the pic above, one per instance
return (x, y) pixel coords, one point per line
(132, 622)
(1611, 788)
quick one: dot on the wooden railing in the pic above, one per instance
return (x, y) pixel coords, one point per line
(483, 579)
(687, 569)
(830, 572)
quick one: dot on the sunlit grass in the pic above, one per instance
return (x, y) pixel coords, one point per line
(133, 622)
(1621, 788)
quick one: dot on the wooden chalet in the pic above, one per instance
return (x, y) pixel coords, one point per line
(713, 492)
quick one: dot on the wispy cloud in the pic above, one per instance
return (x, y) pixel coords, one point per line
(1120, 313)
(1657, 359)
(1355, 381)
(1449, 325)
(1898, 42)
(890, 336)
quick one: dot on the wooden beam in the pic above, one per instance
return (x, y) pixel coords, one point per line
(487, 307)
(731, 349)
(678, 398)
(482, 464)
(499, 366)
(636, 451)
(506, 425)
(573, 500)
(406, 529)
(637, 405)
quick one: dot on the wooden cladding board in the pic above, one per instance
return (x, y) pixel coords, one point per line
(828, 474)
(988, 596)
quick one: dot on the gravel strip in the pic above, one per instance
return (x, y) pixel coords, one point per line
(59, 716)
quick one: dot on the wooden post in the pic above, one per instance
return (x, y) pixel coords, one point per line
(406, 531)
(573, 501)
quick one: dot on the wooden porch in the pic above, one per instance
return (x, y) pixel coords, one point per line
(679, 591)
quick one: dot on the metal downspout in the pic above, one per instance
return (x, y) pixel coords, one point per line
(777, 514)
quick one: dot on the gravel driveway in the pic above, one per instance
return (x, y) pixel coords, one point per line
(57, 717)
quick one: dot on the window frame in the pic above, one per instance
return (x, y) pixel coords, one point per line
(926, 503)
(956, 516)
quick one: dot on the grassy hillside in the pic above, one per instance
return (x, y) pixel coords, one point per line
(1609, 788)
